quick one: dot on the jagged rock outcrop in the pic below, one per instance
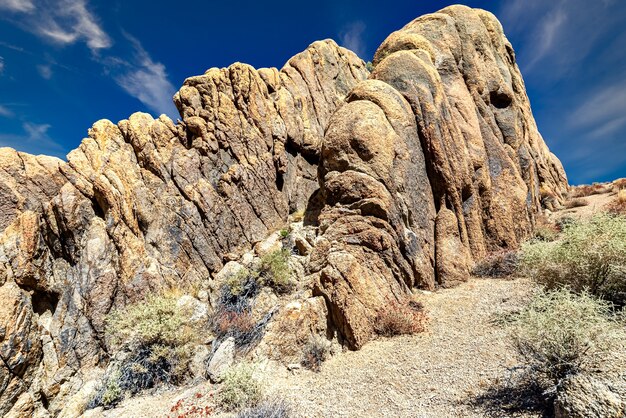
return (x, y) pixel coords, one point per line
(432, 163)
(148, 204)
(409, 176)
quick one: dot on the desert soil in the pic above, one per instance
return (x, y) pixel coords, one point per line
(439, 373)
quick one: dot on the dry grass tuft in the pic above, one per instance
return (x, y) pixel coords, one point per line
(576, 203)
(618, 205)
(400, 318)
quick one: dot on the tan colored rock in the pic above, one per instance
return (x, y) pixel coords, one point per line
(222, 359)
(585, 395)
(433, 162)
(410, 176)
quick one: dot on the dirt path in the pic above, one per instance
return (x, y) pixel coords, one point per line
(434, 374)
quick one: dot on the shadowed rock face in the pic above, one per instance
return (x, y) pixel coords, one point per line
(410, 175)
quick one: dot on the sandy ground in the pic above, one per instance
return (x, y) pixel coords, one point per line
(439, 373)
(595, 203)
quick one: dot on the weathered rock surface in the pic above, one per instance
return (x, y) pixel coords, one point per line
(409, 176)
(148, 204)
(432, 163)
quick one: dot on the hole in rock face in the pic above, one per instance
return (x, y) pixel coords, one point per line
(500, 100)
(44, 301)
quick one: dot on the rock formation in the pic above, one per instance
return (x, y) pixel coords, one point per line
(409, 174)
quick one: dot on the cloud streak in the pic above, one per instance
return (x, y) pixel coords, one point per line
(17, 5)
(351, 37)
(61, 22)
(34, 139)
(4, 111)
(144, 79)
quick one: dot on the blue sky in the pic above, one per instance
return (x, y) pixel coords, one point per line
(67, 63)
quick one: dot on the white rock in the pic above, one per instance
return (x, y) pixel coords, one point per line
(223, 358)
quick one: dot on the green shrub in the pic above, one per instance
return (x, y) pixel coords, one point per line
(275, 270)
(591, 256)
(240, 388)
(561, 333)
(156, 320)
(158, 338)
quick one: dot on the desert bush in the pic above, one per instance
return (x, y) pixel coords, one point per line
(233, 316)
(498, 264)
(157, 336)
(240, 388)
(315, 352)
(156, 320)
(560, 333)
(619, 184)
(275, 408)
(576, 203)
(589, 190)
(590, 256)
(618, 205)
(400, 318)
(275, 271)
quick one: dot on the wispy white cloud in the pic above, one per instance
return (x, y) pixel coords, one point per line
(351, 37)
(1, 65)
(560, 33)
(145, 80)
(5, 111)
(603, 111)
(17, 5)
(34, 139)
(62, 21)
(45, 71)
(36, 132)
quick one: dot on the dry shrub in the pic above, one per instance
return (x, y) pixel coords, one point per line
(590, 256)
(240, 388)
(315, 352)
(589, 190)
(404, 317)
(498, 264)
(561, 333)
(619, 184)
(576, 203)
(275, 408)
(618, 205)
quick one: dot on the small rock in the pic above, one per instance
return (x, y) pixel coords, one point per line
(199, 310)
(197, 366)
(222, 359)
(269, 245)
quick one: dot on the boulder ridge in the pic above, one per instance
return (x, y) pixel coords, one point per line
(406, 175)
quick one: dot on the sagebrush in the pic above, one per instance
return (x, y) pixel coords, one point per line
(275, 271)
(560, 333)
(240, 388)
(590, 256)
(157, 336)
(275, 408)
